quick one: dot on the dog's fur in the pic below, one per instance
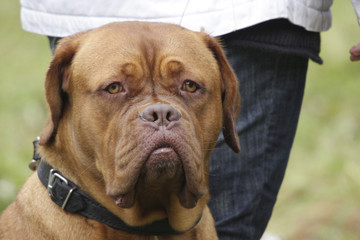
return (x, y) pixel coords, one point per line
(107, 143)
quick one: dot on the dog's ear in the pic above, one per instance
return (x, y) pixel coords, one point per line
(57, 83)
(230, 95)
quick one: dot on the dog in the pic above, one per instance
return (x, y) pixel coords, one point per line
(135, 112)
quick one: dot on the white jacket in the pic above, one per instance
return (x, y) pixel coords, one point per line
(61, 18)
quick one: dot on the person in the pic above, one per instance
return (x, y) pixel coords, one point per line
(268, 43)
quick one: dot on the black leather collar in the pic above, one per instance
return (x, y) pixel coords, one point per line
(71, 198)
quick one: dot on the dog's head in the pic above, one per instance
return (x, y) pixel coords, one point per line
(141, 105)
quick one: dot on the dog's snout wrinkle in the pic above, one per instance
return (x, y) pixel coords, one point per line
(160, 115)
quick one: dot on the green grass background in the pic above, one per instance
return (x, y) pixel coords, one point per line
(320, 196)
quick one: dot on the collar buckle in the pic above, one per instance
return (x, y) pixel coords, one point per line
(52, 176)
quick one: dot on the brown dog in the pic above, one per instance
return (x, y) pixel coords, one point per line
(135, 112)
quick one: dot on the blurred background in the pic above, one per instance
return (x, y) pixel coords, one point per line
(320, 196)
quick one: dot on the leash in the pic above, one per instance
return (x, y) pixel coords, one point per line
(71, 198)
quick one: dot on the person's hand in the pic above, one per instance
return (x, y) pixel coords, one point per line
(355, 53)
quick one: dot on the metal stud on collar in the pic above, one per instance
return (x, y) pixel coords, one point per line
(36, 157)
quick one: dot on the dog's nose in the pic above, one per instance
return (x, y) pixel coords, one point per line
(160, 114)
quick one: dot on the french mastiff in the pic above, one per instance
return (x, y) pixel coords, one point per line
(135, 112)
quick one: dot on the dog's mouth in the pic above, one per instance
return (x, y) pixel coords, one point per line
(163, 167)
(162, 171)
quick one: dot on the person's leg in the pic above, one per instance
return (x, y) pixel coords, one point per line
(53, 41)
(244, 187)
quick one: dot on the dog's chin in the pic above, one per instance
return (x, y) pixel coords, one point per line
(163, 167)
(162, 174)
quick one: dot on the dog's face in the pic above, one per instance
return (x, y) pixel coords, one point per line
(141, 105)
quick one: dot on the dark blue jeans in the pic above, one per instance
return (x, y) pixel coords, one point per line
(244, 187)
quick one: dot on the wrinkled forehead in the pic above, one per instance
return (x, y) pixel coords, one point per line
(148, 46)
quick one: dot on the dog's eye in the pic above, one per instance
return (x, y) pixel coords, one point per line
(114, 88)
(190, 86)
